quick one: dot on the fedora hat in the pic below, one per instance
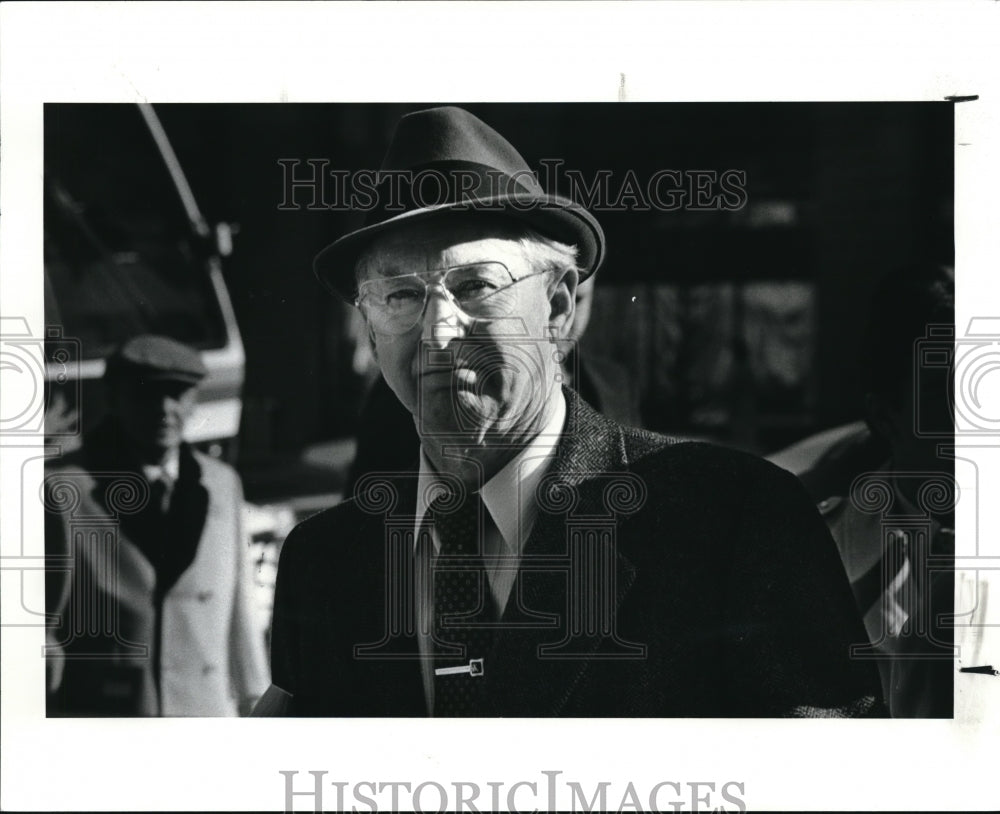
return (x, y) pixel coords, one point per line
(447, 160)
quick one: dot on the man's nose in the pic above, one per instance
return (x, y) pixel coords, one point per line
(443, 319)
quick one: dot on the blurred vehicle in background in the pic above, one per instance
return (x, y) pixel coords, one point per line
(128, 252)
(827, 462)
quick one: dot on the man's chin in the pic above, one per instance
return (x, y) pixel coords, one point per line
(457, 414)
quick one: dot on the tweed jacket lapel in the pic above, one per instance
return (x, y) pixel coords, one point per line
(534, 662)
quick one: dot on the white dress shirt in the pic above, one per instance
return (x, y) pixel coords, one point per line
(509, 498)
(166, 473)
(169, 470)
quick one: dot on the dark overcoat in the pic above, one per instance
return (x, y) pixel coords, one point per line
(709, 585)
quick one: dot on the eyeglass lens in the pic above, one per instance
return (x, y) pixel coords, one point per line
(395, 304)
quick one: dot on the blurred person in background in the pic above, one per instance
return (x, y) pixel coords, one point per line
(148, 565)
(897, 549)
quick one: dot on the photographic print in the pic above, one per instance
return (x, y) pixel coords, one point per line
(623, 418)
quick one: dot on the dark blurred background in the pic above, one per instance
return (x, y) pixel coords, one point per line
(739, 326)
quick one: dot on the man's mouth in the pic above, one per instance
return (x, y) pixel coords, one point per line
(464, 377)
(461, 377)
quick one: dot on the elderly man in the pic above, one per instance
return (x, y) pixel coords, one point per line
(539, 559)
(149, 579)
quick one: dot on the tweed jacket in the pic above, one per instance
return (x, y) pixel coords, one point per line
(716, 591)
(125, 645)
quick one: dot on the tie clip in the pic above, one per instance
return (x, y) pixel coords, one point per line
(473, 668)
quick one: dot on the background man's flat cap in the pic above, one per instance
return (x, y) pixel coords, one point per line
(157, 358)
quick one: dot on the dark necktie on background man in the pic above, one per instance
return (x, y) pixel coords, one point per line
(168, 530)
(159, 549)
(160, 492)
(461, 588)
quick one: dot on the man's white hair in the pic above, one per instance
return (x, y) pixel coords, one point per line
(545, 254)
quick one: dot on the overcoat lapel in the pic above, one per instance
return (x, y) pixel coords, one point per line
(386, 655)
(168, 544)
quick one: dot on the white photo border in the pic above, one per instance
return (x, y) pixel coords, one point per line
(559, 51)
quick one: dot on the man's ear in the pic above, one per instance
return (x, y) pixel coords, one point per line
(562, 303)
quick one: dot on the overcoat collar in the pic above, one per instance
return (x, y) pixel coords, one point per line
(168, 543)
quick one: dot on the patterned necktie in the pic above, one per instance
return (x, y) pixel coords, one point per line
(461, 589)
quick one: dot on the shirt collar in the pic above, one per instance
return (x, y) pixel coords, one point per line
(170, 468)
(510, 493)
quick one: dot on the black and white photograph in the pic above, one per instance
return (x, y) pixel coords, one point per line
(632, 418)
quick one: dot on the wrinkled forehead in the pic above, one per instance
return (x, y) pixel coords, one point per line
(438, 243)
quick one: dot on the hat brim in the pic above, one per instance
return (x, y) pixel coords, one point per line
(555, 217)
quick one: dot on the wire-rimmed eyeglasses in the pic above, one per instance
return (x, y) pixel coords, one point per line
(394, 305)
